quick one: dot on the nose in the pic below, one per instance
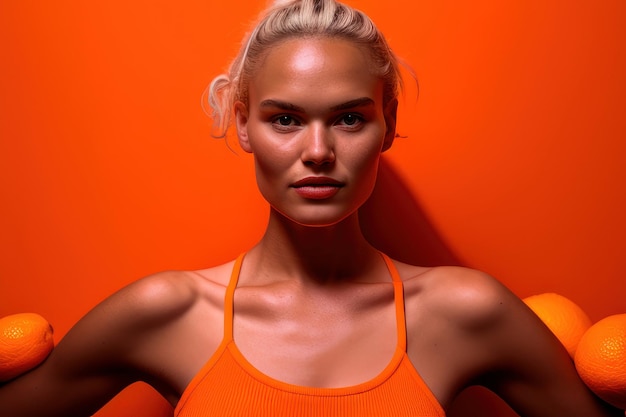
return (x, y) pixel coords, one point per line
(318, 147)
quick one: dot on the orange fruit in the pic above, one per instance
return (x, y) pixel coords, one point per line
(563, 317)
(601, 359)
(25, 341)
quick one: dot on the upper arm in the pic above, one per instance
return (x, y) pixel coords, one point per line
(100, 355)
(520, 359)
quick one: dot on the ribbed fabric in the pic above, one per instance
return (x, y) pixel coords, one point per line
(228, 385)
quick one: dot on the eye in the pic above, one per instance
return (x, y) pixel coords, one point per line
(284, 122)
(351, 120)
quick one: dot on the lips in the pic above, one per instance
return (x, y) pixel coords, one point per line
(317, 188)
(317, 182)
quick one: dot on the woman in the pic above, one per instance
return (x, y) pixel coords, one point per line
(313, 320)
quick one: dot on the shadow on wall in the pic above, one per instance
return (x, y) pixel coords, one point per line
(395, 223)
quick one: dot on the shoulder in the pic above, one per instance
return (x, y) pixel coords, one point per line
(122, 326)
(160, 296)
(467, 328)
(473, 317)
(466, 297)
(470, 314)
(150, 330)
(165, 296)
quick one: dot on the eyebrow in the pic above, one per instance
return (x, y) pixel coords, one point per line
(358, 102)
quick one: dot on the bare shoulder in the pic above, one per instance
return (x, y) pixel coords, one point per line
(166, 295)
(130, 328)
(465, 328)
(146, 306)
(159, 296)
(137, 328)
(159, 329)
(464, 296)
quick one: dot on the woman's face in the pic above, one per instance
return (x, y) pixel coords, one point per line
(316, 125)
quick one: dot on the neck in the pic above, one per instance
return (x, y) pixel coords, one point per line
(320, 254)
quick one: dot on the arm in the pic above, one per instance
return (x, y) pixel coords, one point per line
(526, 365)
(103, 353)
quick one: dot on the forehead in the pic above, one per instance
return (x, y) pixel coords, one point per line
(316, 70)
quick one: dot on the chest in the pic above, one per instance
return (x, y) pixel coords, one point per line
(314, 340)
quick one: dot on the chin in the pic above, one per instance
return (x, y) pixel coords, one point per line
(319, 224)
(316, 222)
(318, 219)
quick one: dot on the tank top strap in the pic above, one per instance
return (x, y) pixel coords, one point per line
(398, 295)
(229, 298)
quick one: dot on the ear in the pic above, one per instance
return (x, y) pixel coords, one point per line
(241, 119)
(391, 113)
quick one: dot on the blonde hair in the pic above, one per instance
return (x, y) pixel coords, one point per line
(299, 18)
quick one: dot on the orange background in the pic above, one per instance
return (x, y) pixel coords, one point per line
(514, 160)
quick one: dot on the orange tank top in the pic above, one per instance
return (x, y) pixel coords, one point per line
(228, 385)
